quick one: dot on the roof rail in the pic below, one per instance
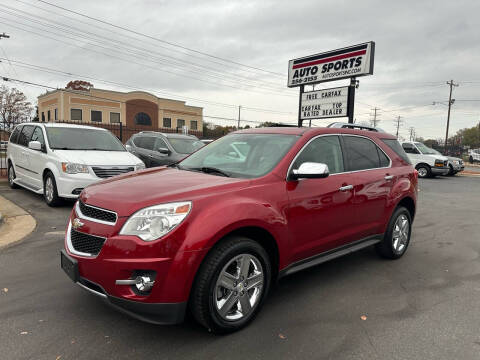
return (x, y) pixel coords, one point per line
(340, 125)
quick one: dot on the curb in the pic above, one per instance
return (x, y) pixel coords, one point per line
(15, 223)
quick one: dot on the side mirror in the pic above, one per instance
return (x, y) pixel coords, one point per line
(310, 170)
(164, 151)
(129, 148)
(35, 145)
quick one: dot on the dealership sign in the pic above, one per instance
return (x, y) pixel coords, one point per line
(326, 103)
(333, 65)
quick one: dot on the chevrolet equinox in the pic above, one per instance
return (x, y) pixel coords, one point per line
(212, 233)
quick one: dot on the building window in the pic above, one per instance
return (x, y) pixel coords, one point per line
(56, 114)
(76, 114)
(143, 119)
(115, 118)
(96, 116)
(43, 116)
(48, 115)
(194, 124)
(167, 122)
(180, 123)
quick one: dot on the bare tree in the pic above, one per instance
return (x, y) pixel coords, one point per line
(14, 107)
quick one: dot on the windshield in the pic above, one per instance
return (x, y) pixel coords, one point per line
(185, 146)
(72, 138)
(424, 149)
(241, 155)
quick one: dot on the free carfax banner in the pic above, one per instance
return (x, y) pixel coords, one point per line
(333, 65)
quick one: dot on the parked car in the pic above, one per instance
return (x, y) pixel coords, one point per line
(474, 156)
(3, 145)
(60, 160)
(455, 165)
(428, 162)
(158, 149)
(215, 238)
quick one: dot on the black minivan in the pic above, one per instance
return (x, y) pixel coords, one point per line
(159, 149)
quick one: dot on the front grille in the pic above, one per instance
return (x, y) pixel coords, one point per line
(97, 213)
(86, 243)
(106, 172)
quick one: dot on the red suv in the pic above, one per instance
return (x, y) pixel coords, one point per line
(213, 232)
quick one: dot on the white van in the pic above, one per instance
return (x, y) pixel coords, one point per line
(59, 160)
(428, 162)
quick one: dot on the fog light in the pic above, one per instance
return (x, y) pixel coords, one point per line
(144, 283)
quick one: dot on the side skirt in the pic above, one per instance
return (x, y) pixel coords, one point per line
(330, 255)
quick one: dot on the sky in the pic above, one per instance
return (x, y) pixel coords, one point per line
(225, 54)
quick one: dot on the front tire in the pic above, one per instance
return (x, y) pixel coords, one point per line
(50, 192)
(11, 176)
(397, 238)
(424, 171)
(231, 285)
(451, 172)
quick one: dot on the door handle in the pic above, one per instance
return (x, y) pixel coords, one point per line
(388, 177)
(346, 187)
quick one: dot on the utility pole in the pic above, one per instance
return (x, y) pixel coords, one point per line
(375, 121)
(412, 133)
(398, 121)
(450, 103)
(238, 126)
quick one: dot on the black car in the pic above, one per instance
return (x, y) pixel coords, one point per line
(158, 149)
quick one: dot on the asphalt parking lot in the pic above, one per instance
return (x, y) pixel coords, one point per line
(423, 306)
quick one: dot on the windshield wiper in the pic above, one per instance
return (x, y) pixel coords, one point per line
(210, 170)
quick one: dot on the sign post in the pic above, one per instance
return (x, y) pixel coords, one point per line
(346, 63)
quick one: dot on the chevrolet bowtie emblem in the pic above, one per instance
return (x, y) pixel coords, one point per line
(76, 223)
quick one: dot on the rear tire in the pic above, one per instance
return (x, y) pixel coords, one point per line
(50, 193)
(424, 171)
(11, 176)
(227, 295)
(397, 238)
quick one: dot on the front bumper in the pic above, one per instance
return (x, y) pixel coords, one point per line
(155, 313)
(439, 170)
(68, 185)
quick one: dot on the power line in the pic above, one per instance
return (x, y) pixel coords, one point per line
(69, 75)
(160, 40)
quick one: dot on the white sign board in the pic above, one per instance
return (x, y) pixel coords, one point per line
(326, 103)
(352, 61)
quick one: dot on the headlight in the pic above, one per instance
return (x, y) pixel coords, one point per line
(71, 168)
(140, 166)
(153, 222)
(456, 162)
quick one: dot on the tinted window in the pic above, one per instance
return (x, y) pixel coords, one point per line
(160, 143)
(145, 142)
(78, 138)
(76, 114)
(384, 160)
(14, 137)
(114, 117)
(143, 119)
(96, 116)
(410, 149)
(397, 148)
(185, 146)
(38, 136)
(325, 150)
(167, 122)
(25, 135)
(361, 153)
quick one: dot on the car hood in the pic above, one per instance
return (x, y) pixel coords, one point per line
(95, 158)
(450, 158)
(131, 192)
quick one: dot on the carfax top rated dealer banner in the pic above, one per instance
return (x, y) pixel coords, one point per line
(332, 65)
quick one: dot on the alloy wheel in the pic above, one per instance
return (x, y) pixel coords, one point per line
(401, 232)
(49, 189)
(422, 172)
(239, 287)
(11, 175)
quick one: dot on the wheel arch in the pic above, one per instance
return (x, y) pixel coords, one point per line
(422, 164)
(409, 204)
